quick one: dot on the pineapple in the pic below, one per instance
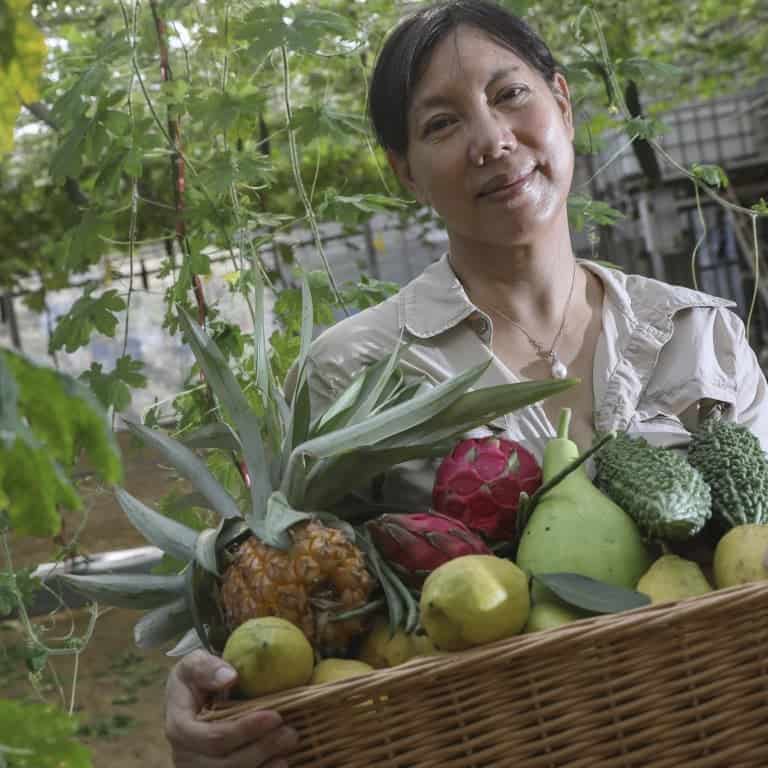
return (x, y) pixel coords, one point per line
(280, 550)
(322, 572)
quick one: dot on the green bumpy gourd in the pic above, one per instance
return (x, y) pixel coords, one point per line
(732, 462)
(666, 496)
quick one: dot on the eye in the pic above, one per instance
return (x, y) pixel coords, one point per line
(436, 124)
(513, 93)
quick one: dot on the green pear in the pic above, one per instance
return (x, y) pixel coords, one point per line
(575, 528)
(673, 578)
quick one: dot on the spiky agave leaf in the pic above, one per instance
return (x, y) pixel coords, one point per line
(189, 465)
(137, 591)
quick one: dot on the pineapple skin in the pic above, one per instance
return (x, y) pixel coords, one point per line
(322, 572)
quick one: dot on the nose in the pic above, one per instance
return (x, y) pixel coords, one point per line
(490, 137)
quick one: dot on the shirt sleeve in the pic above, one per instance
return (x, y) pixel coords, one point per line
(751, 405)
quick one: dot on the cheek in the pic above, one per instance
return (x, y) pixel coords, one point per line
(558, 150)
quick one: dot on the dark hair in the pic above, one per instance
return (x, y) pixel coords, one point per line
(408, 49)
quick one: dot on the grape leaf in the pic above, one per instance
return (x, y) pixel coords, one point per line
(74, 329)
(114, 388)
(54, 418)
(34, 735)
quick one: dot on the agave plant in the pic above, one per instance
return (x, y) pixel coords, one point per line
(286, 553)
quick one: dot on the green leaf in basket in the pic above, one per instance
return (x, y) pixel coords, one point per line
(591, 594)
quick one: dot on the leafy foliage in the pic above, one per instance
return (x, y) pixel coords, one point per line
(114, 388)
(88, 314)
(46, 420)
(39, 736)
(22, 52)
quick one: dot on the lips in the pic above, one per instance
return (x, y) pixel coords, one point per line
(503, 181)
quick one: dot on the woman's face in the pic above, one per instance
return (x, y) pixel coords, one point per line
(489, 142)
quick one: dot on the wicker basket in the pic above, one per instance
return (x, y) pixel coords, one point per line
(665, 686)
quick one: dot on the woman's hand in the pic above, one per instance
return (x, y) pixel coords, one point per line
(255, 740)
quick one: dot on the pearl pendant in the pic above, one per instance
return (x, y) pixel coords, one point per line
(559, 371)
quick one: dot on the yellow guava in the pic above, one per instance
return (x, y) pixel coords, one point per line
(269, 654)
(328, 670)
(740, 556)
(381, 649)
(673, 578)
(473, 600)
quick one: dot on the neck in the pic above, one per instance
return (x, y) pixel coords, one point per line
(526, 283)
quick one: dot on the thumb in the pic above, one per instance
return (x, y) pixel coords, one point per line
(197, 676)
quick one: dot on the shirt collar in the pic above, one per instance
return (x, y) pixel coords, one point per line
(436, 301)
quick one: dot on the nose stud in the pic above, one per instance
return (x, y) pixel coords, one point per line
(503, 147)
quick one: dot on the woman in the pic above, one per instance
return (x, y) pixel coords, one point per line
(476, 120)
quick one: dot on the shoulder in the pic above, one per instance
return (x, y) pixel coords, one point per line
(647, 300)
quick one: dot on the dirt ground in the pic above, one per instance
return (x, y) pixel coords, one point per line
(119, 688)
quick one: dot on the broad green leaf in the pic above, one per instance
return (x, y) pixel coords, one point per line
(162, 624)
(114, 388)
(186, 463)
(395, 420)
(591, 594)
(173, 538)
(127, 591)
(35, 735)
(88, 315)
(54, 419)
(227, 390)
(712, 175)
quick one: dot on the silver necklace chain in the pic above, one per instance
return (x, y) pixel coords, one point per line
(559, 369)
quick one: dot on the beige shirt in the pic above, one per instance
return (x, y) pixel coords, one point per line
(663, 350)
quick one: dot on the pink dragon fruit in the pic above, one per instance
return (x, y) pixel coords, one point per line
(480, 482)
(416, 544)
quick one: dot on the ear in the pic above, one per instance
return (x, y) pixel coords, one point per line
(562, 96)
(400, 165)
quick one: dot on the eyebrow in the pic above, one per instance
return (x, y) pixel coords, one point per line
(438, 100)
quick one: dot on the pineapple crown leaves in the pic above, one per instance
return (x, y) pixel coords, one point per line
(189, 465)
(248, 426)
(135, 591)
(422, 432)
(402, 608)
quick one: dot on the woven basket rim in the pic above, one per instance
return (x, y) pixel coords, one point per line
(582, 630)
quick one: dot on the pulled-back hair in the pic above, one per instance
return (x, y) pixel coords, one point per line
(408, 49)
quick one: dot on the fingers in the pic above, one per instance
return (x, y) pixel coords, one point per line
(219, 738)
(266, 752)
